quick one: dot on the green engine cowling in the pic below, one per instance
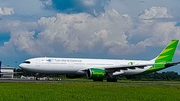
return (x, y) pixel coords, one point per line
(96, 73)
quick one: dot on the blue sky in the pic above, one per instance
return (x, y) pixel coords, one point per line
(122, 29)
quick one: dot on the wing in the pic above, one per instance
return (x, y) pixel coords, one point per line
(117, 68)
(126, 67)
(112, 69)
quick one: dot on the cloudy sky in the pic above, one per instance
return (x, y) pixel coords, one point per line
(121, 29)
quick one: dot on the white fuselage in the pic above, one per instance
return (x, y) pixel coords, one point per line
(77, 65)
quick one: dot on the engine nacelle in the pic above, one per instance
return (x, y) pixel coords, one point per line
(95, 73)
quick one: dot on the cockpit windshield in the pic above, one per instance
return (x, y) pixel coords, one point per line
(28, 62)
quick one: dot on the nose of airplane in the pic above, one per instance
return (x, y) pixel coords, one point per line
(22, 66)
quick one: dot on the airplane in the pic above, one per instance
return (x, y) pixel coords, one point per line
(98, 69)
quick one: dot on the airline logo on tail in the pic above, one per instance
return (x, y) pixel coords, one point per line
(164, 57)
(167, 54)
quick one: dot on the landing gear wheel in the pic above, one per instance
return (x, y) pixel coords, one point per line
(109, 79)
(37, 76)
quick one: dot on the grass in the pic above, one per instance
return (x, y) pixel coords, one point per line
(88, 91)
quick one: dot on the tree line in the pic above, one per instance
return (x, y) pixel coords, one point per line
(170, 75)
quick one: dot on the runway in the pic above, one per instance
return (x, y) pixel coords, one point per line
(87, 80)
(24, 80)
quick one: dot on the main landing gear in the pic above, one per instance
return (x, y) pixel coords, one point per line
(37, 76)
(111, 79)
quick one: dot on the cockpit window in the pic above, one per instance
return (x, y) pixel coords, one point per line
(28, 62)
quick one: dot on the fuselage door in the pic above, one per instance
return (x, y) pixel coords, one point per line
(71, 64)
(117, 63)
(38, 62)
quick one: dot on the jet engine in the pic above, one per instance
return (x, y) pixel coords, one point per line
(96, 74)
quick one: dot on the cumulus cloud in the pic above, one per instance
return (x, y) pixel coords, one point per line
(6, 11)
(155, 12)
(19, 31)
(84, 33)
(148, 28)
(15, 25)
(75, 33)
(94, 7)
(109, 33)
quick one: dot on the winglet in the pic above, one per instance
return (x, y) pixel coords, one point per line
(167, 54)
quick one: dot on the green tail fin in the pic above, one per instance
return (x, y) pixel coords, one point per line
(164, 57)
(167, 54)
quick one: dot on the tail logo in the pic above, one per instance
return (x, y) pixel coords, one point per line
(167, 54)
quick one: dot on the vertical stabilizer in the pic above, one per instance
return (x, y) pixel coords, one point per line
(167, 54)
(164, 59)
